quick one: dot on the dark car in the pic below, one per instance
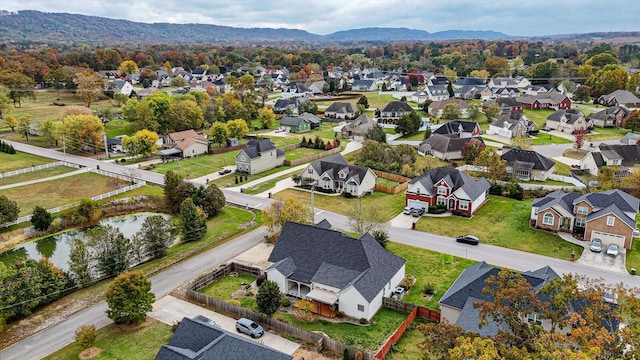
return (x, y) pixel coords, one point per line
(224, 171)
(468, 239)
(249, 327)
(417, 212)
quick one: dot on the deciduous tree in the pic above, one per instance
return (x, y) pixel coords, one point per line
(90, 86)
(128, 67)
(210, 199)
(237, 128)
(183, 115)
(365, 218)
(142, 143)
(376, 133)
(492, 112)
(451, 112)
(9, 210)
(83, 132)
(80, 263)
(266, 117)
(129, 298)
(490, 160)
(291, 209)
(408, 123)
(471, 149)
(582, 93)
(219, 132)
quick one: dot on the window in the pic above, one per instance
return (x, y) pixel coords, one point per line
(242, 158)
(534, 318)
(441, 201)
(582, 210)
(360, 307)
(611, 220)
(463, 205)
(342, 174)
(547, 219)
(442, 190)
(310, 171)
(580, 222)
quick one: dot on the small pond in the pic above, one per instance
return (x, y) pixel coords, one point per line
(56, 248)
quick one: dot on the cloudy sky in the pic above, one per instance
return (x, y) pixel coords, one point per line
(524, 17)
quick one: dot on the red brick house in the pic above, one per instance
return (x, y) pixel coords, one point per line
(545, 101)
(608, 215)
(450, 187)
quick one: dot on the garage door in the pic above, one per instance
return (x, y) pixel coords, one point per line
(608, 238)
(417, 204)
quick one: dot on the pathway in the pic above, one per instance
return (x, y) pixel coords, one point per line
(35, 181)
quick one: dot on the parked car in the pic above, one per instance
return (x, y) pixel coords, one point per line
(224, 171)
(612, 250)
(417, 212)
(407, 210)
(249, 327)
(468, 239)
(596, 245)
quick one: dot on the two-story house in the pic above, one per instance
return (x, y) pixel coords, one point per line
(610, 117)
(459, 128)
(623, 157)
(431, 92)
(609, 215)
(258, 156)
(341, 110)
(512, 124)
(436, 108)
(393, 111)
(527, 164)
(450, 187)
(568, 121)
(335, 174)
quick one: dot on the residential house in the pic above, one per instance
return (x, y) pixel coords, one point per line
(393, 111)
(295, 124)
(334, 174)
(568, 121)
(608, 215)
(506, 92)
(620, 98)
(286, 106)
(397, 83)
(316, 87)
(364, 85)
(358, 128)
(430, 92)
(341, 110)
(527, 164)
(313, 120)
(436, 108)
(186, 144)
(613, 116)
(457, 305)
(200, 338)
(459, 128)
(506, 105)
(122, 87)
(630, 139)
(470, 92)
(296, 90)
(335, 272)
(259, 155)
(512, 124)
(624, 158)
(450, 187)
(468, 81)
(198, 73)
(534, 90)
(513, 82)
(545, 101)
(445, 147)
(114, 144)
(438, 80)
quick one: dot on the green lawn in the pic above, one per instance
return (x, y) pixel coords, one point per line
(605, 134)
(20, 160)
(230, 179)
(502, 222)
(562, 169)
(417, 136)
(118, 127)
(224, 288)
(538, 116)
(546, 139)
(39, 174)
(393, 204)
(301, 152)
(406, 348)
(119, 342)
(59, 192)
(266, 185)
(386, 182)
(197, 166)
(43, 109)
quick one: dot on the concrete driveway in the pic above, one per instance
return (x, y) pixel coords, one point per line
(169, 310)
(603, 261)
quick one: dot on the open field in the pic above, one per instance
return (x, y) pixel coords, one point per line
(502, 222)
(60, 192)
(20, 160)
(197, 166)
(39, 174)
(43, 109)
(341, 205)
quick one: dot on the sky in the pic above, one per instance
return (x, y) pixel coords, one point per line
(518, 18)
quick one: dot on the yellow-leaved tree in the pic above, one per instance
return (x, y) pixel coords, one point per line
(141, 143)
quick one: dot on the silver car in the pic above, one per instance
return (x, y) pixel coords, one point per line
(596, 245)
(612, 250)
(249, 327)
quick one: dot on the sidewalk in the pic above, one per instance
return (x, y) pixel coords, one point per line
(35, 181)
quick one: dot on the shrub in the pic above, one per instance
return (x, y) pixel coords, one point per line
(430, 289)
(364, 321)
(285, 301)
(86, 336)
(123, 160)
(233, 302)
(260, 279)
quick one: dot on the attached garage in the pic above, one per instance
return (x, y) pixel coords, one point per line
(416, 204)
(608, 238)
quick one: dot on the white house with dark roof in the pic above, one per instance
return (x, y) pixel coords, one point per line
(122, 87)
(608, 215)
(624, 157)
(341, 110)
(364, 85)
(334, 173)
(527, 164)
(259, 155)
(336, 272)
(568, 121)
(432, 92)
(393, 111)
(459, 128)
(512, 124)
(449, 187)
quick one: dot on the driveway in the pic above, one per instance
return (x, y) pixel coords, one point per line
(603, 261)
(170, 309)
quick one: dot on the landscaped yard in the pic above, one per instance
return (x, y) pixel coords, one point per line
(393, 204)
(197, 166)
(503, 222)
(20, 160)
(123, 342)
(224, 288)
(39, 174)
(59, 192)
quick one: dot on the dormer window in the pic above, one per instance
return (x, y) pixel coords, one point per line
(442, 190)
(342, 174)
(582, 210)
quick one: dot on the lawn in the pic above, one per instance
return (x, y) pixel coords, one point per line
(417, 136)
(576, 154)
(43, 109)
(633, 255)
(224, 288)
(547, 139)
(118, 127)
(20, 160)
(266, 185)
(406, 348)
(230, 179)
(538, 116)
(605, 134)
(39, 174)
(503, 222)
(393, 204)
(386, 182)
(301, 152)
(197, 166)
(122, 342)
(562, 169)
(59, 192)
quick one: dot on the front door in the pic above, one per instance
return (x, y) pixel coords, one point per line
(452, 204)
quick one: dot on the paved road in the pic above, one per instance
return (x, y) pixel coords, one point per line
(59, 335)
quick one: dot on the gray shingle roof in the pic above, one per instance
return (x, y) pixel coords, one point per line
(397, 106)
(622, 96)
(335, 259)
(612, 209)
(310, 118)
(341, 107)
(445, 143)
(539, 161)
(454, 126)
(558, 197)
(469, 81)
(608, 113)
(292, 121)
(621, 199)
(571, 115)
(255, 147)
(630, 154)
(331, 165)
(455, 178)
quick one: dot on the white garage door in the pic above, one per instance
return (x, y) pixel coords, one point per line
(417, 204)
(608, 238)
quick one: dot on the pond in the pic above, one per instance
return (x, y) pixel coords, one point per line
(57, 247)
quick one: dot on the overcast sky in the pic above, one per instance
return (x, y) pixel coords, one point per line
(522, 17)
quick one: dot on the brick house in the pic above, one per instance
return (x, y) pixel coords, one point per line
(545, 101)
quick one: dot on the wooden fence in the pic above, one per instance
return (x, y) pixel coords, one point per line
(402, 186)
(291, 147)
(393, 339)
(210, 277)
(227, 149)
(312, 157)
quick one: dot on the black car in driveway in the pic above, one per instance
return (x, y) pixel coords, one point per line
(468, 239)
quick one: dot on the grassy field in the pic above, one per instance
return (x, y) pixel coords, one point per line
(546, 139)
(122, 342)
(605, 134)
(300, 153)
(229, 180)
(39, 174)
(60, 192)
(538, 116)
(224, 288)
(197, 166)
(503, 222)
(20, 160)
(341, 205)
(118, 127)
(42, 108)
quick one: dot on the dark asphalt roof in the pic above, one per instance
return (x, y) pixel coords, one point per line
(517, 154)
(455, 178)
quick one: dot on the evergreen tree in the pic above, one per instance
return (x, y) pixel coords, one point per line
(268, 298)
(41, 219)
(194, 223)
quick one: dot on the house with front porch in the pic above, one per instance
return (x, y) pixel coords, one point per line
(393, 111)
(341, 110)
(335, 272)
(545, 101)
(334, 174)
(186, 144)
(512, 124)
(569, 121)
(431, 92)
(450, 187)
(608, 215)
(527, 165)
(613, 116)
(259, 155)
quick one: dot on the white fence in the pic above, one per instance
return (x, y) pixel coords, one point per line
(575, 183)
(38, 167)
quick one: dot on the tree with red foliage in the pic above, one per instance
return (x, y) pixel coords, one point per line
(579, 135)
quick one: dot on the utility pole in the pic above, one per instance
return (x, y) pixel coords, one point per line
(106, 146)
(64, 148)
